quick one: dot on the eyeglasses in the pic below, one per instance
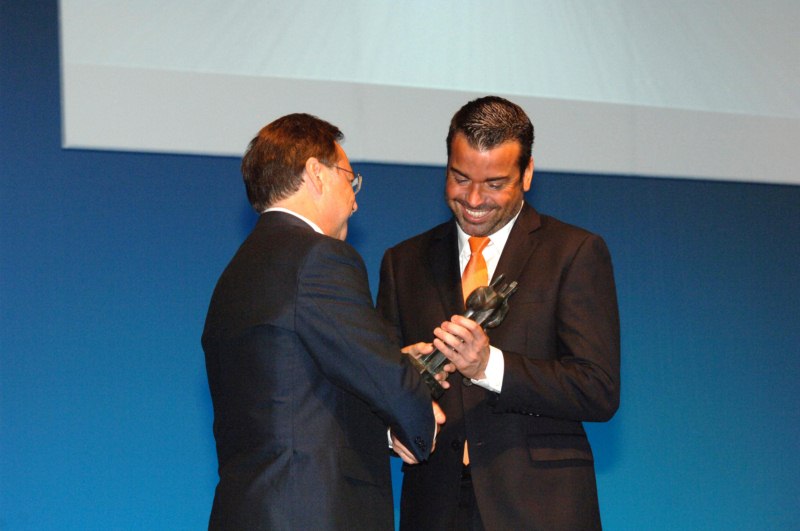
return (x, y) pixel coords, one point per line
(356, 182)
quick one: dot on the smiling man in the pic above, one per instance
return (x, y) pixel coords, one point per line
(514, 454)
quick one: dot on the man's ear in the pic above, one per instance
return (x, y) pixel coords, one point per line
(311, 176)
(527, 177)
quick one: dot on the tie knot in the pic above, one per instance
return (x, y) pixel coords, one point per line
(477, 243)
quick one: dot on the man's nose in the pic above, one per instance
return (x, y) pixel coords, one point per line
(474, 197)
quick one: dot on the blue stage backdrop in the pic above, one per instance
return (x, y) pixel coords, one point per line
(107, 262)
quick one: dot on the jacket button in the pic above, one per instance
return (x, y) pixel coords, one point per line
(455, 445)
(467, 382)
(421, 444)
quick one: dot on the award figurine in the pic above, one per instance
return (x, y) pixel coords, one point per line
(487, 306)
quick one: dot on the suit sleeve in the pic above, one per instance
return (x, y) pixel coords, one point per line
(581, 379)
(348, 340)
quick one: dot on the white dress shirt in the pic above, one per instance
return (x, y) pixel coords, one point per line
(495, 367)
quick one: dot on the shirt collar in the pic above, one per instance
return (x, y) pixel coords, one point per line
(295, 214)
(497, 241)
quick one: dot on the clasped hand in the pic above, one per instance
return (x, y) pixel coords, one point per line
(466, 345)
(405, 454)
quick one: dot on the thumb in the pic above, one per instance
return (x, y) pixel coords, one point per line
(438, 414)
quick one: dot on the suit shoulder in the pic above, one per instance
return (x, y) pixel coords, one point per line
(566, 230)
(299, 239)
(555, 224)
(565, 238)
(326, 244)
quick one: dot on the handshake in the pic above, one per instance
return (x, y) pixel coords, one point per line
(487, 306)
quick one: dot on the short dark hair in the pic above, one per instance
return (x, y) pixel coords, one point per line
(272, 166)
(490, 121)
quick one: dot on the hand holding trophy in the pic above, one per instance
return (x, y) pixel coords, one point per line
(487, 306)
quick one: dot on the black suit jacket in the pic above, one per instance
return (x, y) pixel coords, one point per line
(304, 381)
(532, 466)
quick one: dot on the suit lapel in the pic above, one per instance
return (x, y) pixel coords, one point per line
(443, 259)
(520, 244)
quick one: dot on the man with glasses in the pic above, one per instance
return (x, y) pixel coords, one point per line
(513, 454)
(303, 378)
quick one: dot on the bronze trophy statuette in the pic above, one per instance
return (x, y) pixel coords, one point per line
(487, 306)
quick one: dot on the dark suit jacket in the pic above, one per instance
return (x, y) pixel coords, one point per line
(532, 466)
(304, 381)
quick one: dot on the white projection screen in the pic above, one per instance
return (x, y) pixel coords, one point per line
(705, 89)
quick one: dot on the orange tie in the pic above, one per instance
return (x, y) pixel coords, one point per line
(475, 275)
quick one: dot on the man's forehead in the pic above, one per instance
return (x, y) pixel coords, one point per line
(500, 161)
(513, 173)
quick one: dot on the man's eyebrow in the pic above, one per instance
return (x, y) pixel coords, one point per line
(456, 170)
(489, 179)
(495, 179)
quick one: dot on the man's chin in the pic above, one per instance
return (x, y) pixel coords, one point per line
(474, 229)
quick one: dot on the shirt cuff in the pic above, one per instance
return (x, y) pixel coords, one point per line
(495, 368)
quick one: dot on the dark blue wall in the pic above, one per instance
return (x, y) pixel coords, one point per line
(107, 261)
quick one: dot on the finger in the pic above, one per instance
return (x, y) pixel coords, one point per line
(446, 349)
(466, 323)
(456, 330)
(447, 338)
(441, 376)
(410, 350)
(438, 414)
(403, 452)
(417, 349)
(408, 459)
(425, 348)
(474, 335)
